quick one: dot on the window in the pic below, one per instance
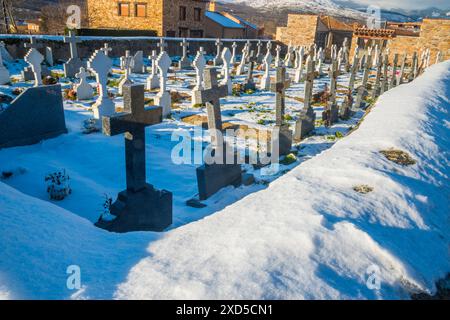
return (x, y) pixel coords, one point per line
(124, 9)
(182, 13)
(196, 33)
(183, 32)
(171, 34)
(141, 10)
(197, 14)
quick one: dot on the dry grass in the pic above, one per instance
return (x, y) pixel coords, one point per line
(398, 157)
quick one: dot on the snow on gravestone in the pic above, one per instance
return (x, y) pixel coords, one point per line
(27, 73)
(83, 89)
(163, 97)
(140, 207)
(100, 65)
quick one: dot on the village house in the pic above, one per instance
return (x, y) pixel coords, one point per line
(169, 18)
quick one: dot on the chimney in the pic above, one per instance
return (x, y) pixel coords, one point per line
(212, 6)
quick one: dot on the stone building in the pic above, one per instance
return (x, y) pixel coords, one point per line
(408, 37)
(169, 18)
(251, 31)
(305, 29)
(219, 26)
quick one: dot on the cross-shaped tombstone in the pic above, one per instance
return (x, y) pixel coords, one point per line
(153, 78)
(106, 49)
(162, 45)
(4, 52)
(438, 57)
(4, 73)
(392, 83)
(299, 70)
(281, 127)
(199, 64)
(213, 177)
(74, 64)
(34, 58)
(413, 73)
(402, 69)
(226, 58)
(320, 59)
(265, 80)
(100, 65)
(353, 71)
(278, 56)
(241, 66)
(127, 62)
(306, 120)
(163, 97)
(218, 60)
(249, 83)
(27, 73)
(259, 55)
(384, 82)
(184, 61)
(83, 89)
(233, 51)
(362, 88)
(331, 114)
(288, 58)
(140, 207)
(123, 58)
(248, 46)
(33, 44)
(137, 63)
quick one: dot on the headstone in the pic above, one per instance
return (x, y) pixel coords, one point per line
(4, 52)
(4, 73)
(163, 97)
(385, 73)
(27, 73)
(288, 58)
(140, 207)
(438, 57)
(83, 89)
(162, 45)
(233, 53)
(184, 62)
(106, 49)
(49, 56)
(414, 67)
(124, 58)
(249, 83)
(278, 56)
(35, 115)
(127, 62)
(402, 70)
(213, 177)
(34, 58)
(199, 66)
(363, 87)
(320, 59)
(392, 82)
(259, 55)
(331, 113)
(353, 71)
(265, 80)
(137, 63)
(281, 127)
(307, 118)
(299, 70)
(100, 65)
(74, 64)
(226, 58)
(241, 66)
(218, 58)
(377, 82)
(153, 78)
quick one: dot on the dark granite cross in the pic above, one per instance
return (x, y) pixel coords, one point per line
(211, 97)
(133, 122)
(279, 87)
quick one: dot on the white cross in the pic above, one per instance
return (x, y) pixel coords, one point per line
(72, 40)
(106, 49)
(34, 58)
(199, 65)
(162, 44)
(163, 64)
(226, 58)
(185, 46)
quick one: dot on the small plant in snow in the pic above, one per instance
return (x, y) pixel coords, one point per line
(106, 210)
(58, 185)
(90, 126)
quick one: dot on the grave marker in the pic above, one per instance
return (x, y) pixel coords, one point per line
(153, 78)
(74, 64)
(127, 62)
(34, 58)
(226, 58)
(163, 97)
(265, 80)
(83, 89)
(4, 73)
(184, 62)
(218, 59)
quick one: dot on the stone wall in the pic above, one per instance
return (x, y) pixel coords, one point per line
(171, 19)
(104, 14)
(300, 30)
(15, 46)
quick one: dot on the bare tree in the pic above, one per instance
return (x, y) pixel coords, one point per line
(54, 17)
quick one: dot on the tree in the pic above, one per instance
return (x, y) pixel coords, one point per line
(54, 17)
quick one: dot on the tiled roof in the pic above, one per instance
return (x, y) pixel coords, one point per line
(374, 33)
(222, 20)
(334, 24)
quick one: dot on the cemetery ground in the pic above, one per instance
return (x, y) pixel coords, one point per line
(337, 212)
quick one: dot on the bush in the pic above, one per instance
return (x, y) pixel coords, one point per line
(58, 185)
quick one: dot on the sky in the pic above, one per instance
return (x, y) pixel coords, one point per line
(406, 4)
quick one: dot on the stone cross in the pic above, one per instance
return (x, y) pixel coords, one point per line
(299, 70)
(278, 57)
(140, 207)
(72, 40)
(362, 89)
(249, 83)
(241, 66)
(306, 120)
(127, 63)
(184, 61)
(124, 58)
(265, 80)
(248, 47)
(402, 69)
(4, 72)
(233, 55)
(413, 73)
(211, 97)
(269, 46)
(438, 57)
(163, 98)
(100, 65)
(279, 87)
(259, 55)
(218, 60)
(199, 66)
(331, 113)
(106, 49)
(132, 122)
(153, 79)
(162, 45)
(137, 63)
(288, 58)
(385, 73)
(34, 58)
(226, 58)
(354, 70)
(83, 88)
(392, 83)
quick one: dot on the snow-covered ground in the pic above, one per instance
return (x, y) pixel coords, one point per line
(305, 235)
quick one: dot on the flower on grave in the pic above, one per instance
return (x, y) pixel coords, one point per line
(70, 94)
(49, 80)
(17, 91)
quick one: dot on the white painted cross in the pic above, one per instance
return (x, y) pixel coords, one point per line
(162, 44)
(72, 40)
(185, 45)
(106, 49)
(299, 70)
(278, 57)
(100, 65)
(153, 79)
(226, 58)
(34, 58)
(127, 64)
(217, 59)
(163, 98)
(233, 55)
(265, 80)
(199, 66)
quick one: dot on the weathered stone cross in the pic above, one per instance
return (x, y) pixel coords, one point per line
(211, 97)
(106, 49)
(218, 59)
(162, 44)
(34, 58)
(72, 40)
(279, 87)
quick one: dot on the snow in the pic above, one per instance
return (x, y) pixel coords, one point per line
(304, 234)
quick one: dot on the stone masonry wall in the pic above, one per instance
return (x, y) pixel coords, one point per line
(300, 30)
(171, 19)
